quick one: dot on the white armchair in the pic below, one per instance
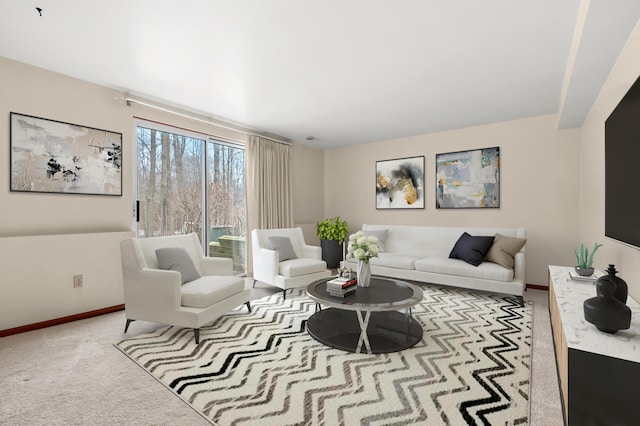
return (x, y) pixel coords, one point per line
(274, 264)
(159, 295)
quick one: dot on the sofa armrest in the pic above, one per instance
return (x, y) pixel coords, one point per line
(311, 252)
(519, 267)
(154, 288)
(266, 265)
(216, 266)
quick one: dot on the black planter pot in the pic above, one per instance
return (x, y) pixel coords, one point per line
(331, 252)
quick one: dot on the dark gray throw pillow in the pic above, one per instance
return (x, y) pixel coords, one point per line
(177, 259)
(283, 246)
(471, 249)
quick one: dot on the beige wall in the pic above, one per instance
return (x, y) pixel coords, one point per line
(45, 239)
(307, 169)
(626, 259)
(32, 91)
(538, 185)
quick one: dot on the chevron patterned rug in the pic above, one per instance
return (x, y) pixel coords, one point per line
(262, 368)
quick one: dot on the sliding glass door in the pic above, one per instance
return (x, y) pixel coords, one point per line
(187, 183)
(226, 204)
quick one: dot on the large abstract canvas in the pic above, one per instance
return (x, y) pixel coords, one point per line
(400, 183)
(468, 179)
(53, 156)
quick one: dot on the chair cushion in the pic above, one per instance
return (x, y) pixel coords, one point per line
(393, 260)
(283, 246)
(209, 290)
(298, 267)
(504, 249)
(471, 249)
(456, 267)
(177, 259)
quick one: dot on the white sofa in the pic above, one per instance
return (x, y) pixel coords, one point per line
(304, 266)
(159, 295)
(421, 253)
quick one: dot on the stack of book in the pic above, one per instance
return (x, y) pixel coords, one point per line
(342, 286)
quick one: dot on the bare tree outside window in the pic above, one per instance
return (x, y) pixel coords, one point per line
(169, 183)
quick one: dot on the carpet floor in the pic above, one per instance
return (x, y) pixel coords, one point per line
(472, 366)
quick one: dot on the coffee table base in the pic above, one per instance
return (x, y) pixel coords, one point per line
(387, 331)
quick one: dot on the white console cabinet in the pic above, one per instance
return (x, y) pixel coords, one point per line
(599, 373)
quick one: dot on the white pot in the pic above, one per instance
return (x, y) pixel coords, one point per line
(363, 274)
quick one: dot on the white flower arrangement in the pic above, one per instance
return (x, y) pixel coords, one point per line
(362, 247)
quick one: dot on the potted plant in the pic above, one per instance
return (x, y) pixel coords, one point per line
(332, 233)
(585, 259)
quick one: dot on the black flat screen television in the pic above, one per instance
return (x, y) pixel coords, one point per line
(622, 170)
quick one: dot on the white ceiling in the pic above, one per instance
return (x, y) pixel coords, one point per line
(343, 71)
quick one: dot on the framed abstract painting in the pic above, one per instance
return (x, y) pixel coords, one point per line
(400, 183)
(58, 157)
(468, 179)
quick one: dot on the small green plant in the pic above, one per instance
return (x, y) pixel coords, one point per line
(584, 257)
(332, 229)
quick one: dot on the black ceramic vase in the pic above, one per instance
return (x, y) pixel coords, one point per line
(605, 312)
(621, 288)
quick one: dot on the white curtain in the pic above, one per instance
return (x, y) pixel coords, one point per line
(269, 203)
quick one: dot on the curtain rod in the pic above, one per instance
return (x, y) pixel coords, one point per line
(128, 100)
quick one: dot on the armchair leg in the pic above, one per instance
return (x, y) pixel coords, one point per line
(254, 283)
(196, 332)
(521, 300)
(284, 294)
(248, 306)
(126, 326)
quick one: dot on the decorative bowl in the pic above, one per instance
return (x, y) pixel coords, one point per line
(584, 272)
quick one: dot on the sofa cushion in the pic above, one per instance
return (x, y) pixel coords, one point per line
(394, 260)
(297, 267)
(381, 235)
(177, 259)
(283, 246)
(210, 289)
(504, 249)
(487, 270)
(471, 249)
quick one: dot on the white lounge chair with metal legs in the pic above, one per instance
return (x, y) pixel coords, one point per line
(156, 290)
(281, 258)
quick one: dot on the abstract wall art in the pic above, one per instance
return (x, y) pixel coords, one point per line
(468, 179)
(400, 183)
(53, 156)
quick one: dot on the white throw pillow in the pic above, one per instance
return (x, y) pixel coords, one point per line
(381, 234)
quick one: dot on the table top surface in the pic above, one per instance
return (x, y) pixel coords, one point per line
(580, 334)
(383, 294)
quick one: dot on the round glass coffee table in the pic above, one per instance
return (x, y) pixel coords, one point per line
(368, 318)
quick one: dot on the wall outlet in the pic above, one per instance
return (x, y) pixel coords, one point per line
(78, 281)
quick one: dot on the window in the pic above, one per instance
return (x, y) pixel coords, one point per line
(187, 183)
